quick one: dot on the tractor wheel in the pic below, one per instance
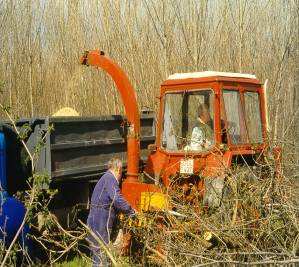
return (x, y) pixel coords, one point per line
(214, 188)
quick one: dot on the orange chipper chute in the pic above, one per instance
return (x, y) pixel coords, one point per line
(128, 95)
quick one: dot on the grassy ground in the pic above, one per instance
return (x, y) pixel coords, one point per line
(75, 262)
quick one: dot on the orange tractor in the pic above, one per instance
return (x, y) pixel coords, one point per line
(207, 121)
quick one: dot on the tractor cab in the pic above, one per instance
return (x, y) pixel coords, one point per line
(205, 119)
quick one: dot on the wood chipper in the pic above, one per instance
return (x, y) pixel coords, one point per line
(207, 121)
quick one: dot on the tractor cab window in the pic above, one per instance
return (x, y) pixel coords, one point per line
(243, 124)
(188, 121)
(235, 122)
(253, 117)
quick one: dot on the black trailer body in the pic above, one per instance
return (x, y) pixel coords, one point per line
(73, 151)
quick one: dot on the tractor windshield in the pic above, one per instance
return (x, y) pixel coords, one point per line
(188, 121)
(243, 124)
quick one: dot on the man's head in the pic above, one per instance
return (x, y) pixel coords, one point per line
(115, 166)
(203, 113)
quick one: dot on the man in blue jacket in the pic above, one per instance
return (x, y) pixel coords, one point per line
(106, 202)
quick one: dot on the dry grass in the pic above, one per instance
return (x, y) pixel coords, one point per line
(150, 39)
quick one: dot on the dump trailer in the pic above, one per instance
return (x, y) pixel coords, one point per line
(72, 151)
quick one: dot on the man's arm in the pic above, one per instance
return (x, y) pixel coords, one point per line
(118, 201)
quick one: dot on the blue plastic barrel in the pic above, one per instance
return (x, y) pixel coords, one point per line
(12, 211)
(11, 217)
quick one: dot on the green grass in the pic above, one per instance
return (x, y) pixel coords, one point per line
(75, 262)
(80, 261)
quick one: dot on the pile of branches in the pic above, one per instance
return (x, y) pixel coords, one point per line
(256, 223)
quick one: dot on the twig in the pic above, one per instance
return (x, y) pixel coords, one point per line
(160, 255)
(282, 262)
(101, 243)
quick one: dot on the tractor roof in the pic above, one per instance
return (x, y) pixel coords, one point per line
(205, 76)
